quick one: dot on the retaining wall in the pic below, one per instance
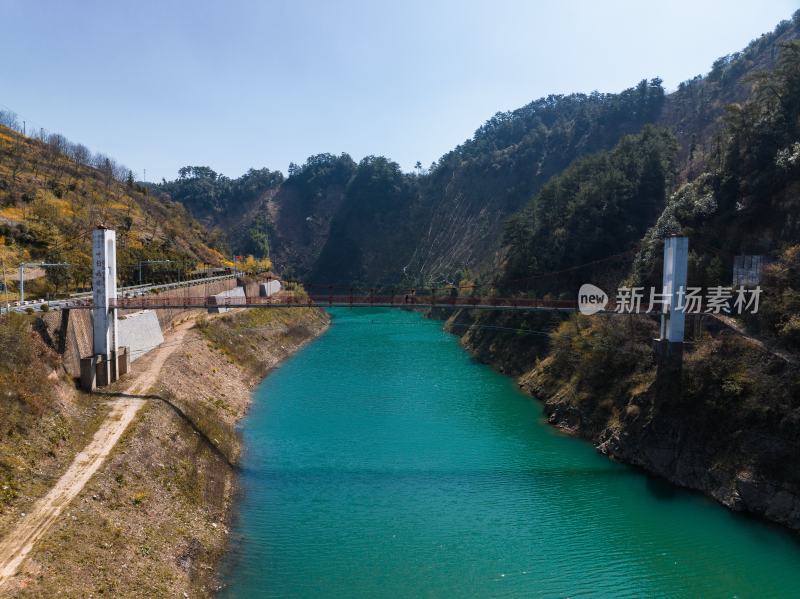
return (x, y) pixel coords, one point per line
(269, 288)
(70, 331)
(232, 297)
(140, 332)
(169, 315)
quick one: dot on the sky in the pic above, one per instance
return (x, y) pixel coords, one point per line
(250, 84)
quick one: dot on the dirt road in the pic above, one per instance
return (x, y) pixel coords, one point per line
(16, 545)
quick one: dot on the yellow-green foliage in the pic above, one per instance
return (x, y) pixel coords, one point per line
(595, 352)
(779, 311)
(605, 362)
(598, 364)
(49, 204)
(730, 372)
(253, 265)
(297, 290)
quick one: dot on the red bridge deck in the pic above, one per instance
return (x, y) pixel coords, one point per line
(335, 301)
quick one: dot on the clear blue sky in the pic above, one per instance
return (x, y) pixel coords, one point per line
(234, 84)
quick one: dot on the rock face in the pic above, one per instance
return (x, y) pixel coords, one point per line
(724, 466)
(727, 425)
(742, 454)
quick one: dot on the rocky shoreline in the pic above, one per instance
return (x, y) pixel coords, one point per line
(725, 427)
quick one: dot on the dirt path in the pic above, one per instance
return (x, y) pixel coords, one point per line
(16, 545)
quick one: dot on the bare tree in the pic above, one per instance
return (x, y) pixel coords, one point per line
(120, 171)
(81, 154)
(17, 150)
(57, 143)
(10, 119)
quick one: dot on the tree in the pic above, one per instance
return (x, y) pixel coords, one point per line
(599, 206)
(80, 154)
(9, 119)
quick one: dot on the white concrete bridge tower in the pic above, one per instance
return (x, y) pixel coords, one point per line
(107, 363)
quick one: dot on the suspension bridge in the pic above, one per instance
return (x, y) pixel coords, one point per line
(109, 361)
(322, 300)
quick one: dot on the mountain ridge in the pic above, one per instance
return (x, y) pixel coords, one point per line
(372, 224)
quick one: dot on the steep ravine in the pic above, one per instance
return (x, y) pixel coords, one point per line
(726, 426)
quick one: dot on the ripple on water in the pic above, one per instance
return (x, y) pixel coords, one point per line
(383, 462)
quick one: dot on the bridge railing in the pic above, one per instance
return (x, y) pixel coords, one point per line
(331, 300)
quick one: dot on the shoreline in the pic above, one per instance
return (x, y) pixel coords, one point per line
(638, 422)
(236, 490)
(155, 518)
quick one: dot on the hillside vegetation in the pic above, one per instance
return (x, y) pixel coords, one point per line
(599, 206)
(747, 201)
(44, 421)
(726, 422)
(333, 220)
(51, 198)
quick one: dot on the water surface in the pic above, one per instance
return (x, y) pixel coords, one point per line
(382, 461)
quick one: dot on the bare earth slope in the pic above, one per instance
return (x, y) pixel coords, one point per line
(18, 543)
(152, 521)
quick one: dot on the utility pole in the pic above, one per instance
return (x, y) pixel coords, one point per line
(23, 134)
(22, 266)
(5, 286)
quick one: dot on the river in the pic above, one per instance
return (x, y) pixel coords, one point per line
(382, 461)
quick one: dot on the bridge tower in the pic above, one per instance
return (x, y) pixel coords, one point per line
(669, 346)
(676, 262)
(107, 363)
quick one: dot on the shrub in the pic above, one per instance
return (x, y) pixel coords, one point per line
(23, 381)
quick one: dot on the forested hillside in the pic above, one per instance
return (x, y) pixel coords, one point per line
(692, 111)
(598, 207)
(231, 206)
(53, 193)
(727, 176)
(746, 201)
(551, 185)
(333, 220)
(476, 187)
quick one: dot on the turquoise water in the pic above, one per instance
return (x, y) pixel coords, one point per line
(381, 461)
